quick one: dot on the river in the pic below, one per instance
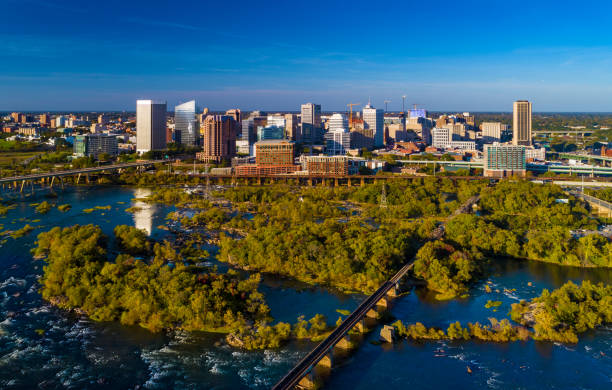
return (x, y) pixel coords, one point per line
(44, 347)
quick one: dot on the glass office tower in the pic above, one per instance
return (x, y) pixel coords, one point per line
(185, 123)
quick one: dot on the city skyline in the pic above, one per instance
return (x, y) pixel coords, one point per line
(104, 58)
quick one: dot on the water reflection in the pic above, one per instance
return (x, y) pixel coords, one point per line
(143, 216)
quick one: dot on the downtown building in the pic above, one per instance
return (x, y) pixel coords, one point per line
(93, 145)
(444, 138)
(150, 125)
(219, 132)
(521, 123)
(291, 127)
(373, 119)
(272, 157)
(311, 123)
(185, 124)
(501, 160)
(338, 138)
(492, 132)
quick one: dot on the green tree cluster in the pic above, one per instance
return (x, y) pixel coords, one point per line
(132, 240)
(562, 314)
(153, 295)
(447, 270)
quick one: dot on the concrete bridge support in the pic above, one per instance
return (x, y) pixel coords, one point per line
(327, 361)
(383, 303)
(387, 334)
(309, 382)
(394, 291)
(360, 326)
(344, 343)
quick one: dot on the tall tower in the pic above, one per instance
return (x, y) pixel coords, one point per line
(311, 122)
(150, 125)
(185, 123)
(373, 119)
(521, 124)
(219, 138)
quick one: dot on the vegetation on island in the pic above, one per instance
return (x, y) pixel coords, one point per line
(44, 207)
(4, 209)
(22, 232)
(132, 240)
(151, 294)
(160, 293)
(447, 270)
(64, 207)
(562, 314)
(559, 315)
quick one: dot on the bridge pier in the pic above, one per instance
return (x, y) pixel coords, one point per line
(387, 334)
(360, 326)
(394, 291)
(309, 382)
(345, 343)
(363, 182)
(383, 303)
(372, 314)
(327, 360)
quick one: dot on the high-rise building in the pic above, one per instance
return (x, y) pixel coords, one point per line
(291, 127)
(521, 124)
(150, 125)
(362, 138)
(311, 123)
(265, 133)
(274, 153)
(45, 120)
(338, 122)
(504, 160)
(276, 120)
(373, 119)
(93, 145)
(102, 119)
(185, 124)
(235, 113)
(60, 121)
(219, 139)
(337, 142)
(492, 131)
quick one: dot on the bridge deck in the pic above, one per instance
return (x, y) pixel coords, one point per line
(71, 172)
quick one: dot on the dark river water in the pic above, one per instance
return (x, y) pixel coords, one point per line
(43, 347)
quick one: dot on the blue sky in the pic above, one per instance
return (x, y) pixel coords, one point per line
(443, 55)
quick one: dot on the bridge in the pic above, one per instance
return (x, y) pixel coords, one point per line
(45, 176)
(588, 157)
(570, 132)
(601, 206)
(567, 169)
(301, 374)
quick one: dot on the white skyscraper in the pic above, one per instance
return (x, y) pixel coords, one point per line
(374, 120)
(185, 123)
(150, 125)
(338, 122)
(338, 138)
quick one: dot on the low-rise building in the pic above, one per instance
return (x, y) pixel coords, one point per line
(92, 145)
(325, 165)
